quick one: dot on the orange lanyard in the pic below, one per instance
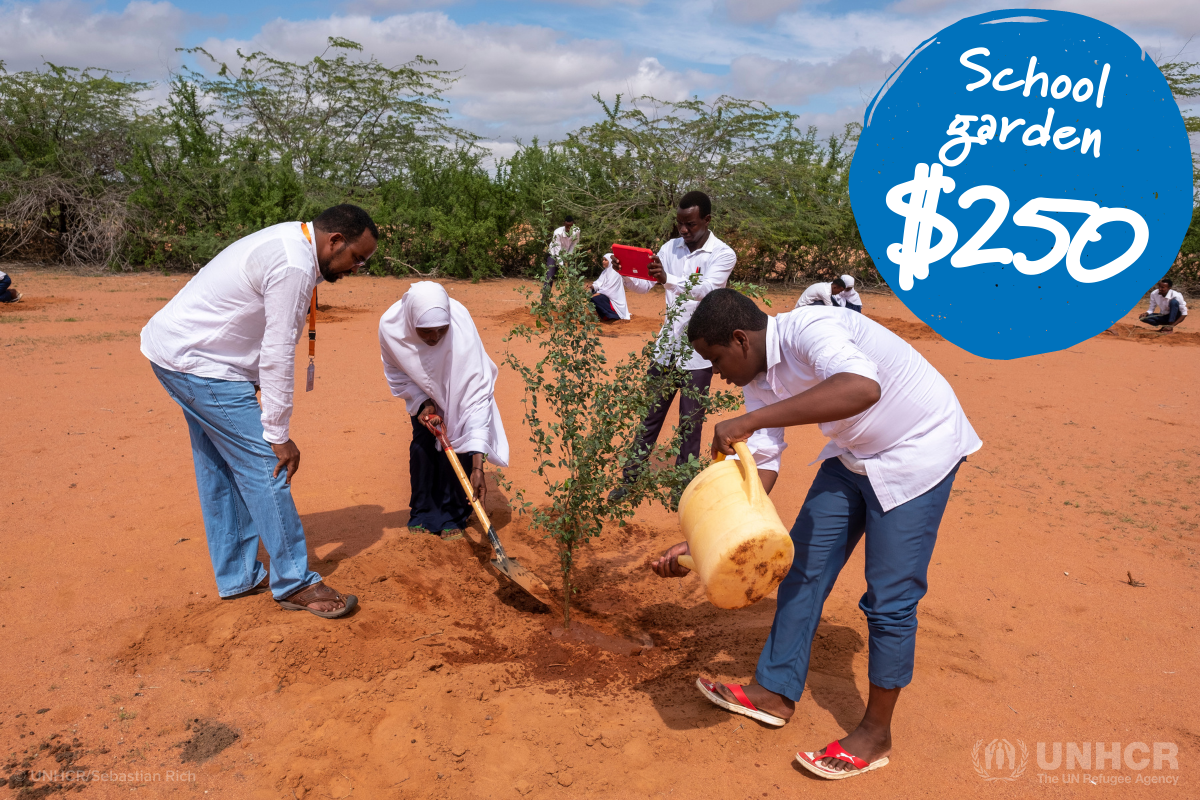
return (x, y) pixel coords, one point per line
(312, 325)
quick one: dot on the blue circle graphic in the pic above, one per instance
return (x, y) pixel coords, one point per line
(1022, 179)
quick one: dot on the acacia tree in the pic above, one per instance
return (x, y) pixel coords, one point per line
(585, 417)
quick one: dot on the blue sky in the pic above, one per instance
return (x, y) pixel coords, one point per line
(531, 68)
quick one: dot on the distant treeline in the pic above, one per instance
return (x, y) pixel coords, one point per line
(91, 173)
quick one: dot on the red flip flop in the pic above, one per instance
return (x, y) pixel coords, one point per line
(812, 763)
(743, 706)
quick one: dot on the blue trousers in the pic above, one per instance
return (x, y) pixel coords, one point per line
(854, 307)
(604, 307)
(1165, 319)
(840, 508)
(5, 295)
(240, 500)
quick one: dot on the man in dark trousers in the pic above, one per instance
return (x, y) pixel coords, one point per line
(696, 252)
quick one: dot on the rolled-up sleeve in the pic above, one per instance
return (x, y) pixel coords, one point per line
(286, 294)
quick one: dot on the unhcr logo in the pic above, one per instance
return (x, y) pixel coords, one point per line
(999, 759)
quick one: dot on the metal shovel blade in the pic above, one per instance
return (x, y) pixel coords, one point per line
(522, 577)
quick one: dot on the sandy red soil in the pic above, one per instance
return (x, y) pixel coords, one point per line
(444, 685)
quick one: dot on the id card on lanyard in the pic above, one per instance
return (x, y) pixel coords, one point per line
(312, 326)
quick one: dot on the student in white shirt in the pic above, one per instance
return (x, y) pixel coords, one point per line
(822, 294)
(231, 330)
(435, 361)
(7, 293)
(848, 298)
(608, 293)
(696, 252)
(1167, 307)
(562, 242)
(897, 436)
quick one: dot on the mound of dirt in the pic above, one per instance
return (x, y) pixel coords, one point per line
(1137, 333)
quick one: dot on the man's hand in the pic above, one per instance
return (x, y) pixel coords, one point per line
(428, 409)
(726, 433)
(667, 565)
(656, 269)
(479, 484)
(289, 459)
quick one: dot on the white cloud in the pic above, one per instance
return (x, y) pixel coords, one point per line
(141, 39)
(516, 80)
(794, 82)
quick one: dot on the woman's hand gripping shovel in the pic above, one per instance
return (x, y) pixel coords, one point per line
(506, 566)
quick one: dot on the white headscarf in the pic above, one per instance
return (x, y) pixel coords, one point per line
(849, 281)
(456, 372)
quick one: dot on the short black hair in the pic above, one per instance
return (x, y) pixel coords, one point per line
(698, 200)
(350, 221)
(838, 282)
(568, 218)
(1170, 283)
(720, 313)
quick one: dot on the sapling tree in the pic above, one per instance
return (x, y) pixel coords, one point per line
(585, 416)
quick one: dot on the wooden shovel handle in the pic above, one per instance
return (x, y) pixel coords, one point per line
(439, 430)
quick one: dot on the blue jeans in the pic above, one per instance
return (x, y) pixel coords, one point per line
(240, 500)
(841, 506)
(1165, 319)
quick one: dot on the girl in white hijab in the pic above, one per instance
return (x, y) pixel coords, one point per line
(608, 293)
(434, 359)
(849, 298)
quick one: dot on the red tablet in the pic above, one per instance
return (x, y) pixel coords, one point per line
(635, 261)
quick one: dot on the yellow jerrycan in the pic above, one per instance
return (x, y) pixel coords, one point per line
(738, 544)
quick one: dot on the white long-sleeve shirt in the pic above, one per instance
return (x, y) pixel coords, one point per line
(848, 297)
(713, 262)
(1161, 304)
(905, 443)
(241, 317)
(819, 294)
(564, 241)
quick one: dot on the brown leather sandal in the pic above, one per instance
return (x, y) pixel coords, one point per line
(317, 592)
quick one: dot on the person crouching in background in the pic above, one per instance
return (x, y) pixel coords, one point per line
(608, 293)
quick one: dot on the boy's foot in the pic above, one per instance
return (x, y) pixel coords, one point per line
(755, 701)
(450, 534)
(618, 494)
(834, 762)
(1166, 329)
(869, 746)
(417, 529)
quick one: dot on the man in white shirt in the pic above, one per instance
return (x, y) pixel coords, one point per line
(849, 298)
(232, 329)
(897, 436)
(822, 294)
(1167, 307)
(562, 242)
(608, 293)
(688, 267)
